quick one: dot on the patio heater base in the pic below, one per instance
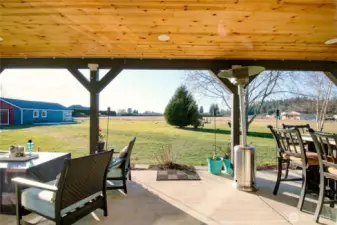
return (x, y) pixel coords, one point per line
(245, 169)
(246, 189)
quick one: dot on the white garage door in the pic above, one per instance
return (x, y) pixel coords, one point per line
(67, 116)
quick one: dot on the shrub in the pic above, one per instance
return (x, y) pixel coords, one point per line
(166, 156)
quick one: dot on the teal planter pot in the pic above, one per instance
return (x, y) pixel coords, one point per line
(215, 166)
(228, 167)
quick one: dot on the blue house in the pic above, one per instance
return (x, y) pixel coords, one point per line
(16, 111)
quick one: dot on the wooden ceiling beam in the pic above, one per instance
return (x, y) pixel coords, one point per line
(179, 64)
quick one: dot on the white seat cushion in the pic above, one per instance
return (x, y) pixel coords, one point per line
(41, 201)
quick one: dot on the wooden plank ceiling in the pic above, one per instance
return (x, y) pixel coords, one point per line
(246, 29)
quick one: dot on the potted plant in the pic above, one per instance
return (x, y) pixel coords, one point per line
(215, 162)
(227, 160)
(101, 142)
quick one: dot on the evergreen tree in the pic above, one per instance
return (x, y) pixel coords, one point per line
(201, 110)
(182, 110)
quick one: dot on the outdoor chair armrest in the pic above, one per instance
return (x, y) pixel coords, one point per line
(31, 183)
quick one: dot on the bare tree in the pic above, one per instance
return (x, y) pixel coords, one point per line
(206, 85)
(322, 87)
(258, 91)
(265, 85)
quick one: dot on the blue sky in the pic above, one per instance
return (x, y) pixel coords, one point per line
(138, 89)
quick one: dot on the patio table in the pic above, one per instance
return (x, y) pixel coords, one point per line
(311, 147)
(308, 138)
(45, 168)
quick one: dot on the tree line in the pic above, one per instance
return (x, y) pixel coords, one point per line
(120, 112)
(298, 104)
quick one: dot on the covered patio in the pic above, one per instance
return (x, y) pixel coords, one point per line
(176, 35)
(201, 35)
(209, 201)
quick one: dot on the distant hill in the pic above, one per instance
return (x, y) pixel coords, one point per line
(78, 107)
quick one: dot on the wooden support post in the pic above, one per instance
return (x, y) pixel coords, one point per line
(109, 76)
(79, 76)
(332, 77)
(235, 110)
(94, 107)
(94, 86)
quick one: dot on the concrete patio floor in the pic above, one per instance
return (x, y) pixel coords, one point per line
(209, 201)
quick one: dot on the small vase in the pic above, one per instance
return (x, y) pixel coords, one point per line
(100, 146)
(30, 146)
(215, 165)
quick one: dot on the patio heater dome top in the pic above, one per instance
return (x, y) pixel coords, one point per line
(240, 74)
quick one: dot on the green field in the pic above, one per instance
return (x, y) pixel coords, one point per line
(191, 146)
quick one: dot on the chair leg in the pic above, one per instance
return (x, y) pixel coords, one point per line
(124, 186)
(58, 222)
(105, 208)
(279, 174)
(18, 204)
(303, 191)
(130, 174)
(287, 170)
(333, 190)
(320, 199)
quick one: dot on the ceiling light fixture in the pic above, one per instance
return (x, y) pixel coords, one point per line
(331, 41)
(163, 37)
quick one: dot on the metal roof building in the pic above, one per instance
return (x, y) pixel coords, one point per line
(17, 111)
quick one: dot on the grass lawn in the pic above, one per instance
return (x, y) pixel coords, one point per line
(191, 146)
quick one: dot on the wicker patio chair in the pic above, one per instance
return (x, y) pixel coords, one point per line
(80, 189)
(327, 155)
(290, 150)
(120, 168)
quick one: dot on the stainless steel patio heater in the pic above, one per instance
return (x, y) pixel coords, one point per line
(244, 155)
